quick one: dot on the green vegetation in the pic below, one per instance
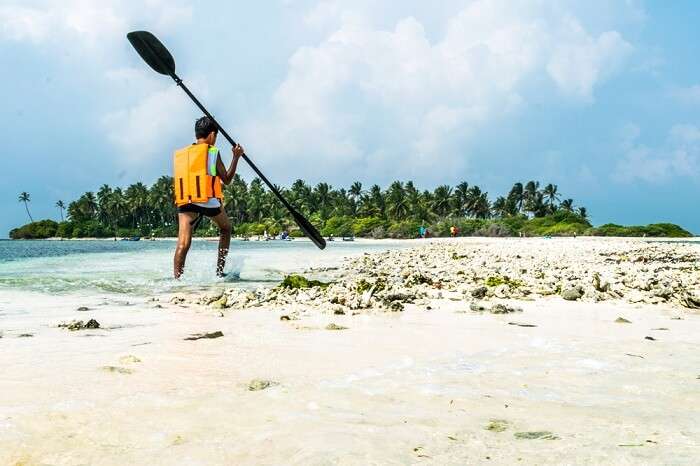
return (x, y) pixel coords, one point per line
(35, 230)
(396, 212)
(560, 223)
(298, 282)
(666, 230)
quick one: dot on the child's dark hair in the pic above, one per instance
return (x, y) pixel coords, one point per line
(204, 126)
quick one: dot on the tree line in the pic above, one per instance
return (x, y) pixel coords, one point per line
(398, 210)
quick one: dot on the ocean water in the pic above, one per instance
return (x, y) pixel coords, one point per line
(145, 267)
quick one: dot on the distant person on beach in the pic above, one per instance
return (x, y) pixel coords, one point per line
(453, 231)
(421, 231)
(198, 174)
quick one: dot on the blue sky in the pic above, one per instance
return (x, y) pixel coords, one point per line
(601, 98)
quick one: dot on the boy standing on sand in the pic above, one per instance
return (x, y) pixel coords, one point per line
(198, 174)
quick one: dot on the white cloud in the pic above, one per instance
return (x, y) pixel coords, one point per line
(142, 110)
(19, 23)
(139, 130)
(382, 90)
(91, 22)
(679, 156)
(580, 61)
(160, 118)
(368, 92)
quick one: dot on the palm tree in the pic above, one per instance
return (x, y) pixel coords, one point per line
(567, 205)
(461, 196)
(89, 204)
(301, 196)
(418, 207)
(102, 200)
(322, 195)
(356, 190)
(482, 207)
(377, 201)
(160, 200)
(365, 207)
(532, 197)
(137, 200)
(477, 204)
(500, 207)
(60, 206)
(235, 196)
(342, 203)
(117, 208)
(24, 197)
(396, 201)
(150, 209)
(516, 197)
(442, 198)
(83, 209)
(551, 195)
(255, 204)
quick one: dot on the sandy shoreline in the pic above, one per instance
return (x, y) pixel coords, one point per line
(209, 238)
(439, 382)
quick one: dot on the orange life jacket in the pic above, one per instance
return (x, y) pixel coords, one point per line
(191, 178)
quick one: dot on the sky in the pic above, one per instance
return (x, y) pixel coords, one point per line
(600, 98)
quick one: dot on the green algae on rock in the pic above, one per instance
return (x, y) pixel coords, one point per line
(504, 309)
(521, 324)
(295, 281)
(363, 285)
(333, 326)
(497, 280)
(74, 325)
(497, 425)
(536, 435)
(200, 336)
(129, 359)
(221, 303)
(260, 384)
(117, 369)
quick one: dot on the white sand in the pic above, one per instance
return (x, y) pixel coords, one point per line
(417, 387)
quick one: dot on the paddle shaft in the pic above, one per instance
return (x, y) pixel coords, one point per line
(143, 43)
(179, 82)
(304, 224)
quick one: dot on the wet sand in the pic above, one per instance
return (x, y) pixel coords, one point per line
(437, 386)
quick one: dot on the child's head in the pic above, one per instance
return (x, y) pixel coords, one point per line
(205, 128)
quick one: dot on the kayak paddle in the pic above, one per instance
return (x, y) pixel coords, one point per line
(157, 56)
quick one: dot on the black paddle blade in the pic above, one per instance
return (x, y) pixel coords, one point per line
(152, 51)
(308, 229)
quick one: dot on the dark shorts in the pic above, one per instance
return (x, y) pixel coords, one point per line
(195, 209)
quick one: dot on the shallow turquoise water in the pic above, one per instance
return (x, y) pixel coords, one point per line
(145, 267)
